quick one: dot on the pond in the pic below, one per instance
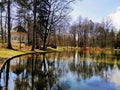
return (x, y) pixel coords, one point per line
(69, 70)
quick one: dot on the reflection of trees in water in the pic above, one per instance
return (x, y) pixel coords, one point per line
(21, 81)
(19, 67)
(4, 77)
(67, 54)
(117, 54)
(22, 84)
(42, 71)
(36, 73)
(41, 74)
(85, 70)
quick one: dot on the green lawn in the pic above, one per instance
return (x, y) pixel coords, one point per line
(7, 53)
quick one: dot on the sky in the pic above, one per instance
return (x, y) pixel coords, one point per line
(97, 10)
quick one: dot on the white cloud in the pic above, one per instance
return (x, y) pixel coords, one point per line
(115, 17)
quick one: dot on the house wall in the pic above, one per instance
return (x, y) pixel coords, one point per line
(15, 37)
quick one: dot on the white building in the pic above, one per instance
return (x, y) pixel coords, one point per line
(19, 34)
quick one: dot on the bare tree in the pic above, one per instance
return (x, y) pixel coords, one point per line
(80, 32)
(53, 13)
(107, 25)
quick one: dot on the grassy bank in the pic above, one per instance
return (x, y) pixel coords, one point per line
(7, 53)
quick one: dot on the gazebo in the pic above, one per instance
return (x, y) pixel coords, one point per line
(19, 35)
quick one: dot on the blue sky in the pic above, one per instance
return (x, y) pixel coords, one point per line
(97, 10)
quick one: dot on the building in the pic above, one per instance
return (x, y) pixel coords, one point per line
(19, 34)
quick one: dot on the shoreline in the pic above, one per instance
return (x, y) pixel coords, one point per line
(8, 54)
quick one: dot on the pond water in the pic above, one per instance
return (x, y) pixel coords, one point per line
(70, 70)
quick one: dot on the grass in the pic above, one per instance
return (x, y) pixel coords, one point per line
(53, 50)
(7, 53)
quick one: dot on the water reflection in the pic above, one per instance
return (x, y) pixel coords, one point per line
(70, 70)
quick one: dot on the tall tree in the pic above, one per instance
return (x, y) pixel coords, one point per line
(9, 46)
(2, 9)
(5, 28)
(43, 18)
(34, 27)
(86, 32)
(31, 6)
(51, 12)
(111, 39)
(107, 24)
(73, 32)
(80, 32)
(117, 43)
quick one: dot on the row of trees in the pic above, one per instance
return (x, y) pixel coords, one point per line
(94, 34)
(42, 15)
(49, 23)
(3, 4)
(86, 33)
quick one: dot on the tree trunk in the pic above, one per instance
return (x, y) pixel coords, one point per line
(32, 72)
(85, 40)
(44, 42)
(20, 40)
(5, 28)
(34, 27)
(7, 75)
(1, 28)
(28, 26)
(37, 43)
(9, 34)
(74, 39)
